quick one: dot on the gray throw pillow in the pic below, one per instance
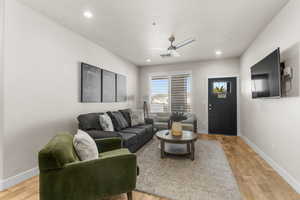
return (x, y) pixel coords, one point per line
(106, 122)
(85, 146)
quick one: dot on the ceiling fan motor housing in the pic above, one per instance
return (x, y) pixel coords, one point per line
(172, 49)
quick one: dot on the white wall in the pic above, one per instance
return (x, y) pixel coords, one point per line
(201, 71)
(273, 125)
(41, 83)
(1, 86)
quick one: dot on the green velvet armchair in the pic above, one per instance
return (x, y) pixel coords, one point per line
(64, 177)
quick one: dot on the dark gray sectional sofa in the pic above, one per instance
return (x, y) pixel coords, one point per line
(133, 137)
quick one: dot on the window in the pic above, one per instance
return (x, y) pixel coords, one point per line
(159, 94)
(221, 88)
(171, 93)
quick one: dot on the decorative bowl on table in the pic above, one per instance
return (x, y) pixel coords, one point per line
(176, 129)
(176, 119)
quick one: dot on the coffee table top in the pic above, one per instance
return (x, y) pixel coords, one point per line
(166, 135)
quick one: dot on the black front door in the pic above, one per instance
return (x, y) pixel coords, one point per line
(222, 106)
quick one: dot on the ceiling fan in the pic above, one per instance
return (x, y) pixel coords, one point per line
(171, 51)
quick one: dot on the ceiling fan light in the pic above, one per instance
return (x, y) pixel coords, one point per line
(219, 52)
(88, 14)
(174, 53)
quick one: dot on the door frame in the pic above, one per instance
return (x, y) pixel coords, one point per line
(238, 92)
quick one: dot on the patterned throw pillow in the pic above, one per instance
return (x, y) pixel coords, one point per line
(137, 117)
(106, 123)
(118, 120)
(126, 114)
(85, 146)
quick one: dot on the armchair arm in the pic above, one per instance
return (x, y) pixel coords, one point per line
(118, 157)
(113, 173)
(149, 121)
(108, 144)
(108, 175)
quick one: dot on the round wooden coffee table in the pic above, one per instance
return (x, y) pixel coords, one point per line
(177, 145)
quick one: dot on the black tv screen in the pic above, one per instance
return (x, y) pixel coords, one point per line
(265, 77)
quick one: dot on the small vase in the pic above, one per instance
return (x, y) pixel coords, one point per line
(176, 129)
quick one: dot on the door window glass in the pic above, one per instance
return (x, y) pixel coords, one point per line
(221, 89)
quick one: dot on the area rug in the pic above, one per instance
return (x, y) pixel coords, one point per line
(208, 177)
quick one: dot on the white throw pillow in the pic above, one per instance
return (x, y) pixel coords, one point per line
(106, 123)
(85, 146)
(137, 117)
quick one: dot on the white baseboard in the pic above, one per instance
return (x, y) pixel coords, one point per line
(14, 180)
(280, 170)
(203, 132)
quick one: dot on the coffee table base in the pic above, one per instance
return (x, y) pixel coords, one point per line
(177, 149)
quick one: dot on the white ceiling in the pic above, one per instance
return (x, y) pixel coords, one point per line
(125, 26)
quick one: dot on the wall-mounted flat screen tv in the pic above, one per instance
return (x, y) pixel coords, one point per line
(265, 76)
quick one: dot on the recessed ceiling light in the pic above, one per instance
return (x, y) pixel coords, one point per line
(88, 14)
(218, 52)
(148, 60)
(153, 23)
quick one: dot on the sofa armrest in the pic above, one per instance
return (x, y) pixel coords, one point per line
(149, 121)
(108, 144)
(195, 123)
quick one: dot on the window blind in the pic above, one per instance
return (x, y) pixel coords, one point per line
(171, 93)
(180, 93)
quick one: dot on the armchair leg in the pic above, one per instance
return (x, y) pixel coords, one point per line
(129, 195)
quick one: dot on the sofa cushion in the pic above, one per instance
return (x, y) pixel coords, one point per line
(85, 146)
(162, 119)
(128, 139)
(96, 134)
(89, 121)
(148, 127)
(114, 153)
(137, 131)
(189, 127)
(161, 125)
(127, 115)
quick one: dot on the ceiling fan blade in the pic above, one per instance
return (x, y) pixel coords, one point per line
(166, 55)
(170, 53)
(184, 43)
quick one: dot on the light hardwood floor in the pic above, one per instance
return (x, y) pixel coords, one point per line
(256, 179)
